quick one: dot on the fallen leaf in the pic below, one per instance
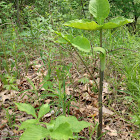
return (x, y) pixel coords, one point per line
(86, 96)
(112, 132)
(91, 82)
(107, 111)
(85, 88)
(105, 88)
(3, 124)
(5, 96)
(67, 90)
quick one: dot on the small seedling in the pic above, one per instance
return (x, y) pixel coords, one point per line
(9, 82)
(10, 117)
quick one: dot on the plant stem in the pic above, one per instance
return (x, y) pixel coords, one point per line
(99, 133)
(86, 67)
(5, 56)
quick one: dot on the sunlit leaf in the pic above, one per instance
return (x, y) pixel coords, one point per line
(62, 132)
(99, 9)
(28, 123)
(34, 133)
(116, 22)
(81, 43)
(43, 110)
(82, 24)
(75, 125)
(27, 108)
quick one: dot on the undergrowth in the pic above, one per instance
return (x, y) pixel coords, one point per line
(20, 49)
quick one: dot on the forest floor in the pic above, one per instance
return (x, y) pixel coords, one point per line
(84, 105)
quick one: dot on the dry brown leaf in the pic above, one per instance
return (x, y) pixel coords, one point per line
(67, 90)
(112, 132)
(105, 87)
(91, 82)
(84, 88)
(47, 101)
(107, 111)
(16, 131)
(86, 96)
(5, 95)
(92, 115)
(3, 123)
(4, 133)
(82, 110)
(25, 98)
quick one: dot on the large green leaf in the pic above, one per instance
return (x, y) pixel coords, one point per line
(81, 43)
(82, 24)
(27, 108)
(35, 132)
(99, 9)
(116, 22)
(43, 110)
(75, 125)
(102, 56)
(62, 132)
(28, 123)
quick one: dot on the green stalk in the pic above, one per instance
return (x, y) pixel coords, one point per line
(99, 132)
(16, 60)
(5, 56)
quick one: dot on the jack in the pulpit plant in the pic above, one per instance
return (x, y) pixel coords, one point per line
(100, 10)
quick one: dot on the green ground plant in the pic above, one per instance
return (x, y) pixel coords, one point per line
(127, 69)
(9, 82)
(100, 11)
(10, 117)
(60, 128)
(19, 48)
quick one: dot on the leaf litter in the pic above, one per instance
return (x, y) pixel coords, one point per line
(85, 105)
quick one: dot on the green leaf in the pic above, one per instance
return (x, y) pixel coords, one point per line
(61, 40)
(102, 56)
(81, 43)
(43, 110)
(35, 132)
(28, 123)
(50, 125)
(75, 125)
(117, 22)
(27, 108)
(99, 9)
(62, 132)
(82, 24)
(68, 38)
